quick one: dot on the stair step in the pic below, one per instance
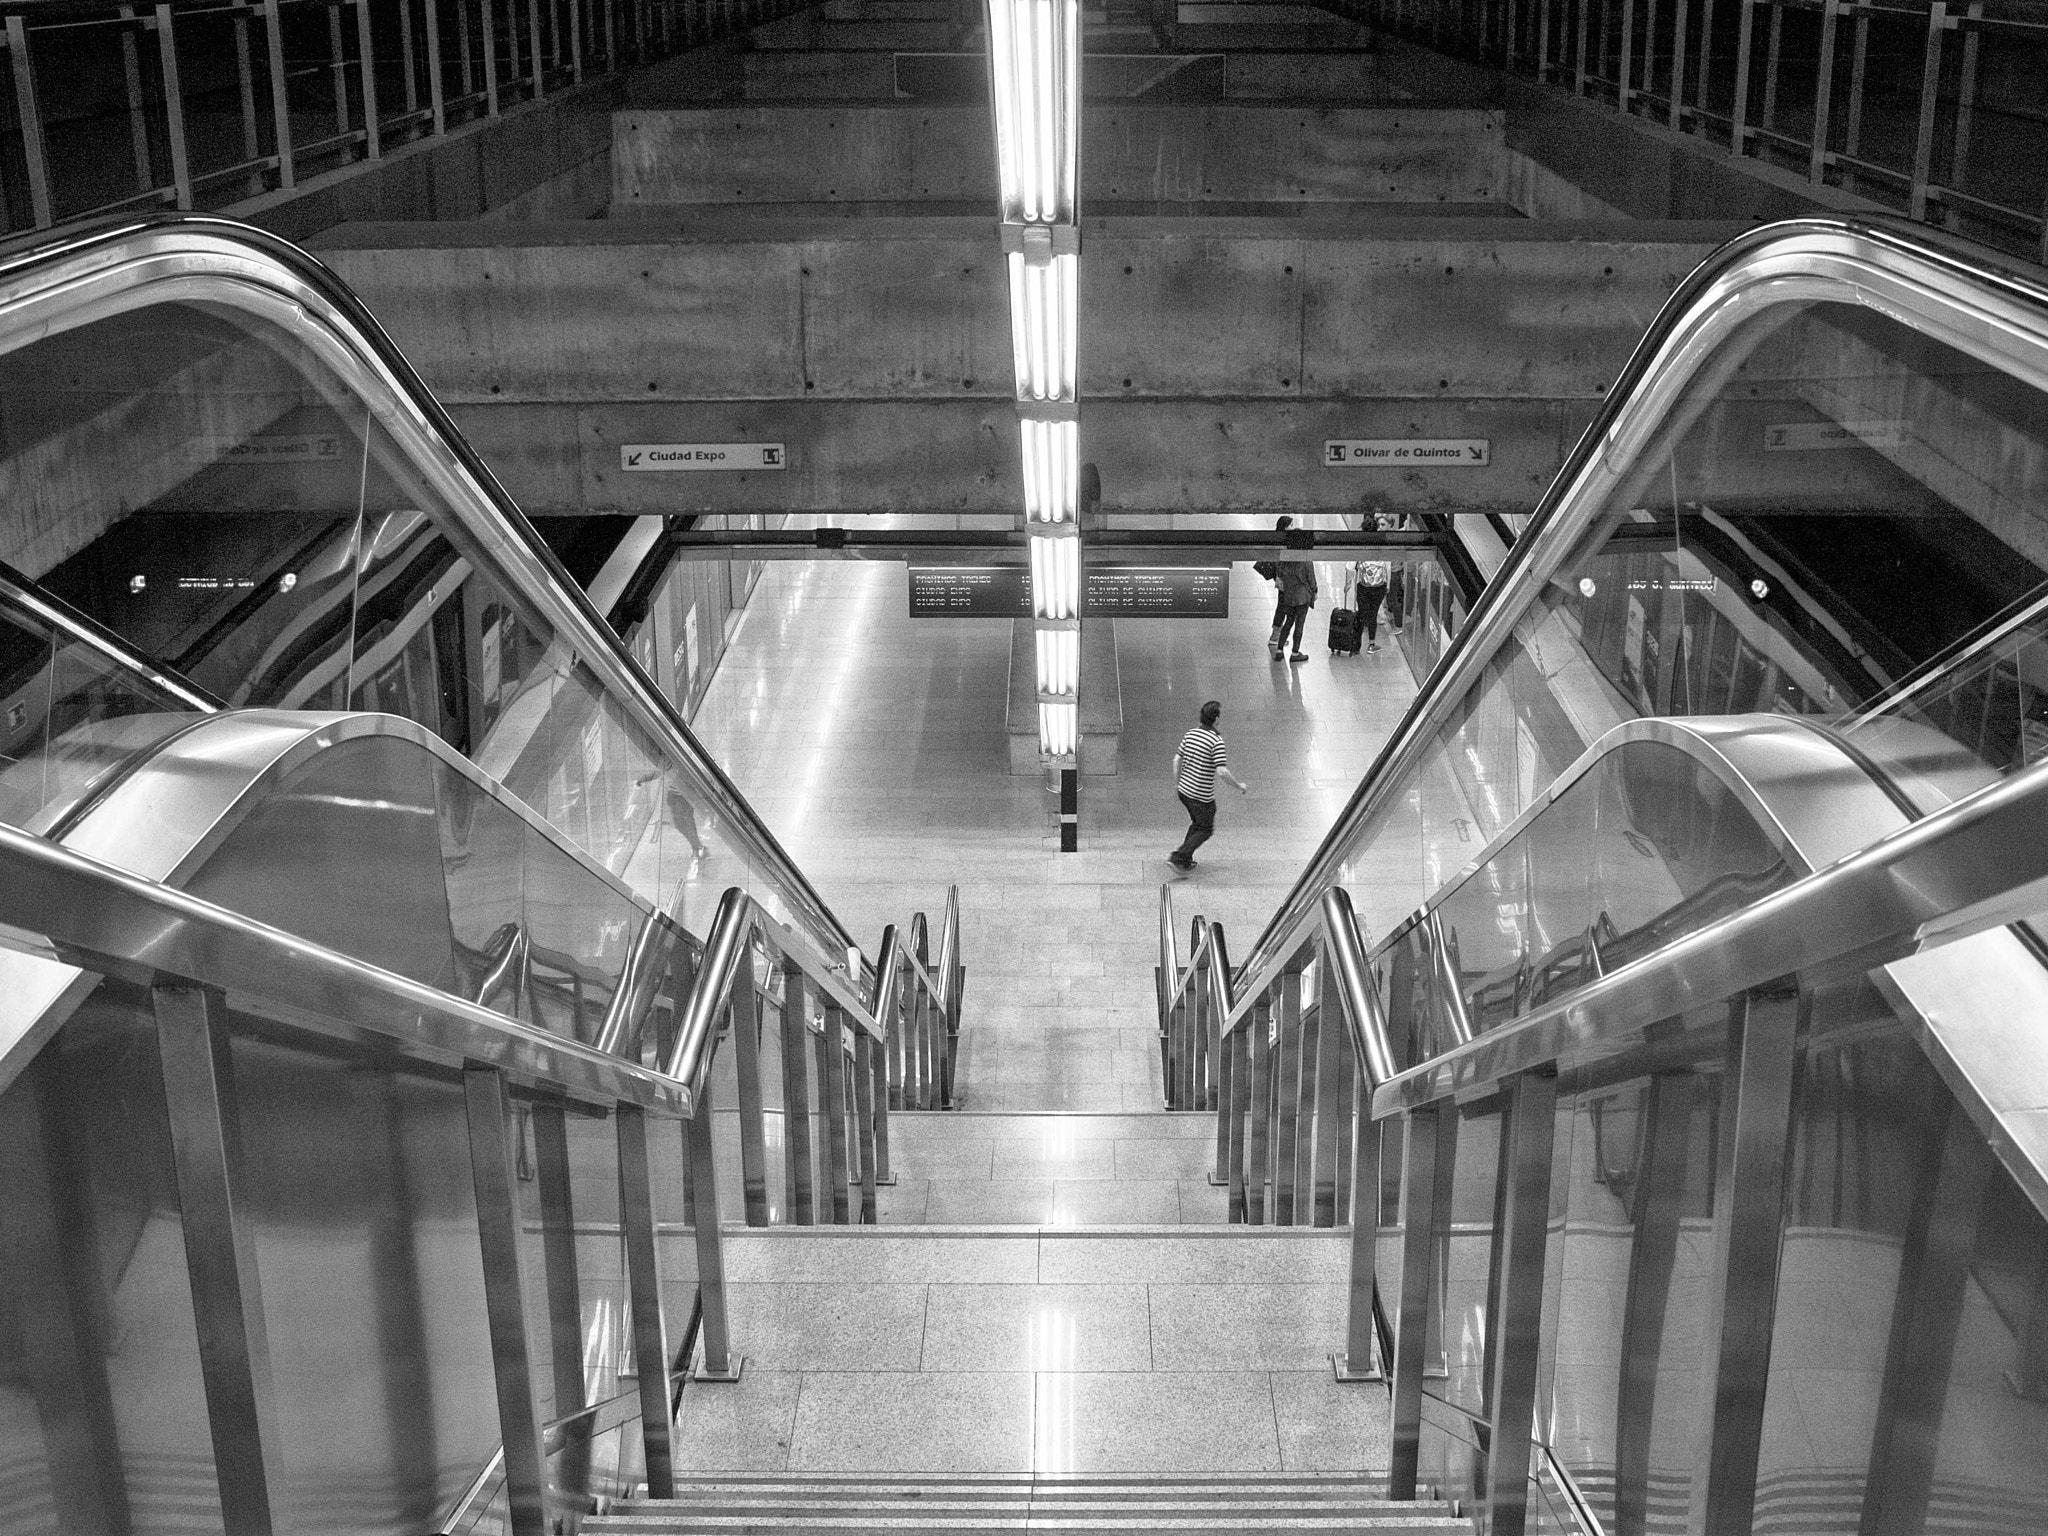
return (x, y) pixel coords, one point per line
(1133, 1507)
(1214, 1523)
(1189, 1493)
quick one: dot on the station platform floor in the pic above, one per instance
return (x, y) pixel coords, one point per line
(875, 747)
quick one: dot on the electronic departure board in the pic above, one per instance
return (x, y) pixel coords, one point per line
(1157, 592)
(970, 592)
(1113, 591)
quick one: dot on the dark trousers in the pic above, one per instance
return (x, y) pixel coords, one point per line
(1293, 617)
(1201, 826)
(1397, 592)
(1369, 600)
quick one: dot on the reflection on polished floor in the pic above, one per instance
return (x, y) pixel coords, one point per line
(874, 746)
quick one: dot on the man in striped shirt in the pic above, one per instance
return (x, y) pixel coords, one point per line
(1201, 760)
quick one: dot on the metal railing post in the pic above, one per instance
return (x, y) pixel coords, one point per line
(1515, 1313)
(878, 1081)
(1237, 1148)
(746, 1040)
(797, 1162)
(174, 108)
(1930, 97)
(220, 1252)
(643, 1287)
(31, 118)
(864, 1119)
(490, 31)
(280, 106)
(720, 1363)
(1823, 93)
(373, 133)
(887, 979)
(138, 115)
(1331, 1068)
(1431, 1140)
(408, 54)
(1287, 1092)
(1764, 1032)
(1739, 115)
(1699, 124)
(1258, 1149)
(1773, 54)
(1678, 26)
(437, 96)
(832, 1087)
(495, 1174)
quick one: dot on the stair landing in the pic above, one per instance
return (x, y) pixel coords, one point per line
(948, 1350)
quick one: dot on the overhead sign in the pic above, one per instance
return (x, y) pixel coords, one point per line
(970, 592)
(1808, 436)
(1407, 452)
(661, 457)
(1156, 592)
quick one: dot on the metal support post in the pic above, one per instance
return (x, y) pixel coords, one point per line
(1070, 810)
(373, 138)
(1431, 1139)
(174, 108)
(495, 1174)
(138, 116)
(1658, 1207)
(1239, 1108)
(864, 1116)
(1624, 76)
(559, 1280)
(1258, 1144)
(1773, 55)
(1764, 1031)
(533, 41)
(1823, 92)
(832, 1090)
(720, 1363)
(1927, 1314)
(220, 1252)
(797, 1164)
(1287, 1084)
(643, 1285)
(1699, 121)
(1360, 1360)
(878, 1078)
(245, 81)
(1331, 1071)
(745, 1018)
(337, 65)
(1744, 37)
(1966, 106)
(1930, 98)
(280, 108)
(31, 119)
(409, 56)
(490, 30)
(1515, 1317)
(437, 96)
(1676, 121)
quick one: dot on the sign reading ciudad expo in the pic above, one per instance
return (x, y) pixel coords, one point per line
(658, 457)
(1407, 452)
(1112, 591)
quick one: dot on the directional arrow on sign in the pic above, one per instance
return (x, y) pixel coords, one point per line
(632, 459)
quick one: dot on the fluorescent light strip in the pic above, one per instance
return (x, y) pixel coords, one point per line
(1003, 53)
(1058, 727)
(1035, 59)
(1019, 321)
(1059, 660)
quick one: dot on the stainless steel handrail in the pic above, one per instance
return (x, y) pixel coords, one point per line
(63, 906)
(1986, 310)
(1977, 864)
(19, 590)
(918, 1007)
(95, 272)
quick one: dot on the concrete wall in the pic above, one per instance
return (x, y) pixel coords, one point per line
(1217, 355)
(908, 152)
(549, 159)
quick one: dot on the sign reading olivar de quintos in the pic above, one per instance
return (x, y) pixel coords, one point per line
(643, 458)
(1407, 452)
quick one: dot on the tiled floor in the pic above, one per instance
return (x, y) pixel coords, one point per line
(975, 1351)
(875, 747)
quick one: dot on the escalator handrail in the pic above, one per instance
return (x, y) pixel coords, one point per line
(1697, 313)
(258, 256)
(63, 906)
(20, 590)
(1976, 865)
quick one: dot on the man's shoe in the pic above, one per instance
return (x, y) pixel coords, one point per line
(1297, 655)
(1372, 646)
(1178, 862)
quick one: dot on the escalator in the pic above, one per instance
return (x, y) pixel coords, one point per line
(1668, 1006)
(375, 940)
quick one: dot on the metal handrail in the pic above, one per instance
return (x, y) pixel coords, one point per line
(920, 1062)
(1983, 308)
(1977, 864)
(19, 590)
(63, 906)
(102, 269)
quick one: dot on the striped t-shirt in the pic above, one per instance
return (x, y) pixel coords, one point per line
(1201, 753)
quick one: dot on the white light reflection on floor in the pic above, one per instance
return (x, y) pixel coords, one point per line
(1053, 1349)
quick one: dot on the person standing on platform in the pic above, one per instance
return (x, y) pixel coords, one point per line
(1270, 569)
(1371, 578)
(1201, 760)
(1297, 579)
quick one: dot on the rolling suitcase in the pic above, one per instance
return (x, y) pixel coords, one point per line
(1345, 631)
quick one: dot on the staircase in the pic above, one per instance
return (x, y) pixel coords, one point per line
(1075, 1505)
